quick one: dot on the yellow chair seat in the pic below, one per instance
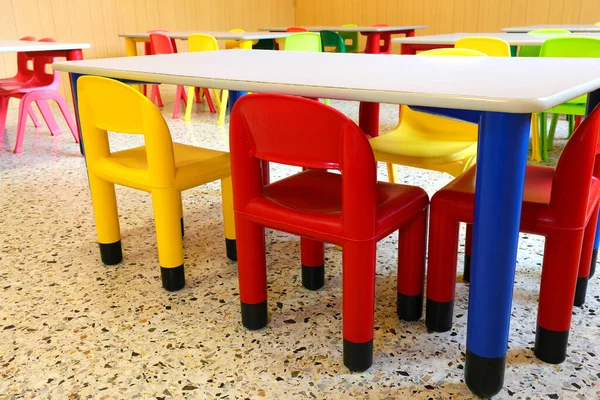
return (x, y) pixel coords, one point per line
(193, 166)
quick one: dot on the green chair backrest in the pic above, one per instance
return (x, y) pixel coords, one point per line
(534, 51)
(303, 41)
(333, 39)
(264, 44)
(350, 39)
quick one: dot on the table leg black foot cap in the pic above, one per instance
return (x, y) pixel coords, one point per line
(594, 259)
(254, 316)
(358, 357)
(551, 346)
(580, 291)
(173, 278)
(484, 376)
(111, 253)
(313, 278)
(409, 308)
(182, 228)
(467, 268)
(231, 247)
(438, 315)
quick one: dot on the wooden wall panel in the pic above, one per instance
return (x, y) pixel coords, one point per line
(98, 22)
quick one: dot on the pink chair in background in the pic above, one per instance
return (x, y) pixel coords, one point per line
(41, 87)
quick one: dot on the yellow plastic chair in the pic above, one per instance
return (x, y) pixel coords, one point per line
(200, 42)
(160, 167)
(428, 141)
(490, 46)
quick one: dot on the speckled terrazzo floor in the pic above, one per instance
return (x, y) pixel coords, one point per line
(71, 328)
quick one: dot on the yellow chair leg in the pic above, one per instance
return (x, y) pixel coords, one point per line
(217, 99)
(104, 202)
(228, 217)
(223, 110)
(536, 153)
(190, 103)
(131, 51)
(181, 213)
(392, 173)
(166, 204)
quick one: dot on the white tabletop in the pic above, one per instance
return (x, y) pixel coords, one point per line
(514, 85)
(11, 46)
(349, 28)
(572, 28)
(219, 35)
(514, 39)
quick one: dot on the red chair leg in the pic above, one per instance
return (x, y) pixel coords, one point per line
(211, 107)
(313, 263)
(586, 259)
(179, 97)
(562, 252)
(155, 96)
(198, 95)
(252, 273)
(3, 113)
(266, 172)
(22, 121)
(64, 109)
(441, 270)
(48, 117)
(34, 119)
(358, 303)
(468, 246)
(412, 241)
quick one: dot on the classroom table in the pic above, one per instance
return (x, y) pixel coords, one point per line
(410, 45)
(132, 38)
(569, 27)
(503, 91)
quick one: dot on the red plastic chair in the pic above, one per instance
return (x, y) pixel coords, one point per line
(41, 87)
(296, 29)
(154, 89)
(560, 204)
(372, 43)
(352, 210)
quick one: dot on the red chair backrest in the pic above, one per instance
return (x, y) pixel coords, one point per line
(161, 44)
(43, 74)
(24, 73)
(148, 45)
(579, 161)
(296, 29)
(304, 133)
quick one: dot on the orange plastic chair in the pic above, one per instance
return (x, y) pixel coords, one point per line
(350, 209)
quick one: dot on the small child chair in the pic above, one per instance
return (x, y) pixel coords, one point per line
(160, 167)
(200, 42)
(350, 39)
(331, 39)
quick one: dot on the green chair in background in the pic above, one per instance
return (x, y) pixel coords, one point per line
(264, 44)
(305, 41)
(566, 47)
(350, 39)
(534, 51)
(331, 39)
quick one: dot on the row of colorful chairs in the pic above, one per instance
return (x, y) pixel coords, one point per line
(34, 84)
(319, 206)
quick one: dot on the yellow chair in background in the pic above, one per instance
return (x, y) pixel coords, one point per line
(160, 167)
(428, 141)
(490, 46)
(196, 43)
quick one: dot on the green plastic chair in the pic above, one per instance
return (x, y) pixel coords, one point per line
(303, 41)
(566, 47)
(264, 44)
(333, 39)
(350, 39)
(534, 51)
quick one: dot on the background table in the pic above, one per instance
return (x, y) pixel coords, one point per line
(572, 28)
(505, 91)
(132, 38)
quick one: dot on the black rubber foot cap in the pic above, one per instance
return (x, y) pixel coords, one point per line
(254, 316)
(182, 228)
(409, 308)
(484, 376)
(467, 268)
(230, 245)
(551, 346)
(358, 357)
(173, 278)
(313, 278)
(438, 316)
(580, 291)
(111, 253)
(594, 259)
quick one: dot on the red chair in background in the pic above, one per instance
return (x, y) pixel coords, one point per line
(560, 204)
(154, 90)
(374, 41)
(352, 210)
(296, 29)
(41, 87)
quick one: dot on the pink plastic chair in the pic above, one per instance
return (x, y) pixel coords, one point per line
(41, 87)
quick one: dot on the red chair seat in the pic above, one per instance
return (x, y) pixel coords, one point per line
(311, 202)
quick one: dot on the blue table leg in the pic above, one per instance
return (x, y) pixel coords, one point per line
(498, 200)
(73, 78)
(593, 101)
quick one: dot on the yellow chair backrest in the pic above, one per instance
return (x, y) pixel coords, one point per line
(491, 46)
(430, 125)
(109, 105)
(202, 42)
(239, 44)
